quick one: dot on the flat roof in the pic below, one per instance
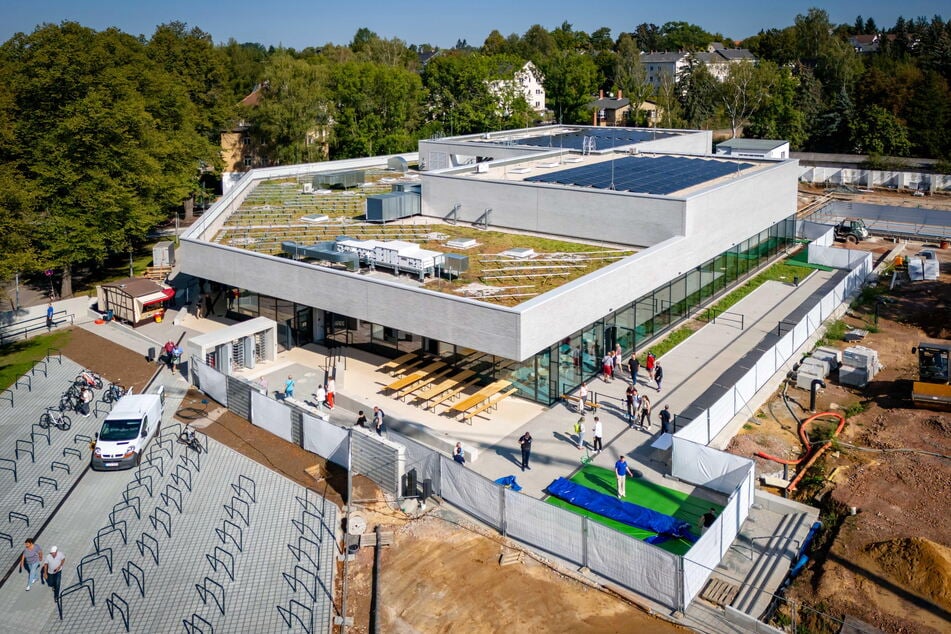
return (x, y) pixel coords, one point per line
(597, 138)
(753, 144)
(661, 175)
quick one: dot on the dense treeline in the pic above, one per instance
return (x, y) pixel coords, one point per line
(103, 135)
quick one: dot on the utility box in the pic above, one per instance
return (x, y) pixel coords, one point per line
(861, 357)
(804, 378)
(855, 377)
(831, 355)
(163, 254)
(816, 366)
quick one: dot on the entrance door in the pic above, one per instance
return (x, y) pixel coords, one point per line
(303, 329)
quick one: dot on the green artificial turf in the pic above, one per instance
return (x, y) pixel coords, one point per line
(801, 259)
(643, 493)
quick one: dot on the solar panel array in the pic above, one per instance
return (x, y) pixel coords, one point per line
(660, 175)
(604, 139)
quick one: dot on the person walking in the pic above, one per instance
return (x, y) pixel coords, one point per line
(289, 387)
(633, 366)
(321, 397)
(458, 454)
(607, 366)
(621, 470)
(665, 420)
(579, 430)
(629, 395)
(525, 442)
(378, 420)
(361, 419)
(617, 359)
(598, 433)
(658, 375)
(707, 520)
(645, 413)
(52, 570)
(649, 365)
(49, 317)
(582, 397)
(30, 558)
(331, 391)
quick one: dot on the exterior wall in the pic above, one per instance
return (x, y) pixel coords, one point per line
(617, 217)
(697, 143)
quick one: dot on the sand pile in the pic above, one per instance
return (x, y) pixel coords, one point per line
(918, 564)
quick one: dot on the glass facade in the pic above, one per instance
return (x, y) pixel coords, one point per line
(577, 357)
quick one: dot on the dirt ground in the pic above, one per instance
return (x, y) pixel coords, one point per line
(436, 556)
(808, 193)
(889, 564)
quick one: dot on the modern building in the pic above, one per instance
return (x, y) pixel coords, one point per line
(754, 148)
(577, 240)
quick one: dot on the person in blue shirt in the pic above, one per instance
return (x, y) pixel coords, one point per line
(622, 471)
(49, 317)
(289, 387)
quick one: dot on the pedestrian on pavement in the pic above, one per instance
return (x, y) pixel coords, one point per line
(658, 375)
(361, 419)
(629, 395)
(321, 397)
(289, 387)
(607, 366)
(525, 442)
(621, 470)
(649, 365)
(378, 420)
(49, 317)
(209, 305)
(598, 432)
(579, 430)
(707, 520)
(645, 413)
(458, 454)
(85, 398)
(30, 558)
(617, 358)
(52, 570)
(665, 420)
(582, 397)
(633, 366)
(262, 383)
(331, 391)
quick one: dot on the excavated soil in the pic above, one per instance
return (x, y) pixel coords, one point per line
(919, 564)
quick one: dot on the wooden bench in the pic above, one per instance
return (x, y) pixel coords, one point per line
(444, 385)
(577, 399)
(397, 362)
(423, 382)
(492, 402)
(452, 393)
(413, 377)
(476, 399)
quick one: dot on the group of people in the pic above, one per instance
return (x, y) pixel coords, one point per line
(172, 354)
(35, 564)
(377, 420)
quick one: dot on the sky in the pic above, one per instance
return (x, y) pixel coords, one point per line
(301, 23)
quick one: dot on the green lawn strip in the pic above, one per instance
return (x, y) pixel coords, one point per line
(801, 259)
(643, 493)
(17, 358)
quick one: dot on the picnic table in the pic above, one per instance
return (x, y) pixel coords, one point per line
(485, 393)
(412, 377)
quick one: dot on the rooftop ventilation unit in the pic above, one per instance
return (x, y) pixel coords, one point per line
(519, 252)
(462, 243)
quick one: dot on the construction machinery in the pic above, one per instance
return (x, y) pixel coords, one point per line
(932, 389)
(851, 230)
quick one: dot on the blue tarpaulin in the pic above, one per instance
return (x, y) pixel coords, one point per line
(665, 526)
(509, 481)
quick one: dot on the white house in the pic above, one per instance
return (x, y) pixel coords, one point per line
(716, 58)
(528, 81)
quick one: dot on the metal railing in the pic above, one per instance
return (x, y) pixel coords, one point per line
(19, 329)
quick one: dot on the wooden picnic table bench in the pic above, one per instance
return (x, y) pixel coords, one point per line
(476, 399)
(492, 402)
(576, 399)
(445, 385)
(398, 361)
(423, 382)
(450, 393)
(418, 375)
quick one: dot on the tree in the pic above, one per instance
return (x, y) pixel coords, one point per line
(668, 102)
(929, 117)
(683, 36)
(361, 39)
(877, 131)
(778, 117)
(570, 80)
(648, 37)
(744, 90)
(699, 94)
(630, 76)
(494, 44)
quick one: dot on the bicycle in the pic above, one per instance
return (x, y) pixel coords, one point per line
(114, 392)
(54, 417)
(190, 440)
(88, 378)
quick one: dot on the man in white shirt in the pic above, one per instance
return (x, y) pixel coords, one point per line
(52, 570)
(598, 433)
(331, 391)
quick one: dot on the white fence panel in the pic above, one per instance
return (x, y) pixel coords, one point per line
(720, 414)
(800, 334)
(700, 561)
(731, 523)
(696, 431)
(326, 440)
(644, 568)
(271, 415)
(745, 389)
(784, 349)
(705, 466)
(765, 367)
(544, 526)
(212, 382)
(471, 492)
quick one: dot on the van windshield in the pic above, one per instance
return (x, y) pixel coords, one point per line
(120, 429)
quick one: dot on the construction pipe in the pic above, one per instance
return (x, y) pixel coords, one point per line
(375, 612)
(805, 438)
(812, 459)
(816, 384)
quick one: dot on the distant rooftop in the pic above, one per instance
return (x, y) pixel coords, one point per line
(603, 138)
(759, 145)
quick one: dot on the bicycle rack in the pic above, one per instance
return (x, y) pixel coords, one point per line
(288, 614)
(12, 515)
(214, 560)
(139, 576)
(59, 357)
(113, 603)
(165, 520)
(233, 510)
(36, 430)
(307, 504)
(301, 524)
(179, 479)
(167, 496)
(101, 407)
(120, 527)
(105, 553)
(193, 457)
(29, 382)
(26, 448)
(44, 480)
(43, 370)
(8, 538)
(82, 437)
(70, 451)
(9, 465)
(225, 532)
(299, 550)
(131, 487)
(156, 447)
(139, 478)
(204, 592)
(148, 542)
(59, 465)
(192, 628)
(126, 504)
(32, 497)
(152, 460)
(7, 394)
(294, 581)
(89, 585)
(241, 487)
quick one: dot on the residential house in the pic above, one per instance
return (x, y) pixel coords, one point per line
(610, 110)
(528, 80)
(717, 59)
(866, 43)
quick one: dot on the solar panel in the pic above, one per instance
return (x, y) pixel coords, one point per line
(640, 174)
(604, 139)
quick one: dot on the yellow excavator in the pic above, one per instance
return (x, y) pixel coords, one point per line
(932, 389)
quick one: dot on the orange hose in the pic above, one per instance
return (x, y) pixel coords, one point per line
(805, 439)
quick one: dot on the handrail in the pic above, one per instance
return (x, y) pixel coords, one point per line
(20, 328)
(719, 312)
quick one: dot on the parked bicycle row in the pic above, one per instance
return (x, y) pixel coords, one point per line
(78, 398)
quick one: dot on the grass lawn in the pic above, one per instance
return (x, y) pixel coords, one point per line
(17, 358)
(643, 493)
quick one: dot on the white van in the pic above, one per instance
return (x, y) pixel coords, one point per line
(128, 428)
